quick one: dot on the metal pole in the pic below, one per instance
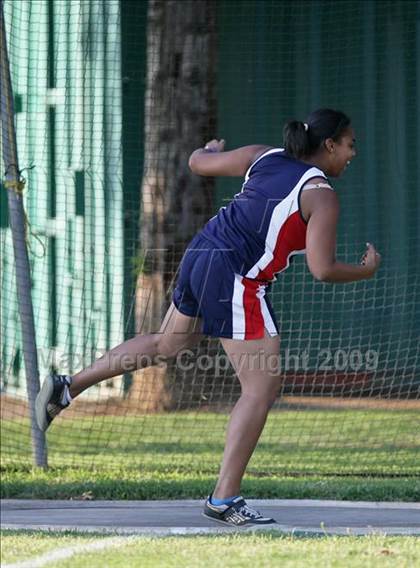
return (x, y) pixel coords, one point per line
(17, 224)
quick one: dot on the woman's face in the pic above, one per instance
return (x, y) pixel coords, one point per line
(341, 152)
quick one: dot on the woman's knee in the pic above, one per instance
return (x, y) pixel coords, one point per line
(272, 397)
(165, 347)
(264, 397)
(169, 345)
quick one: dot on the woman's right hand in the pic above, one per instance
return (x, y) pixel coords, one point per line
(212, 160)
(371, 259)
(215, 145)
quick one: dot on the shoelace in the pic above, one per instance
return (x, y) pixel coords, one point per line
(247, 511)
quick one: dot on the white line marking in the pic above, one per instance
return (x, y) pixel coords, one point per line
(69, 551)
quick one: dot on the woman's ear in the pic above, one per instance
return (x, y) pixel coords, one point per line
(329, 145)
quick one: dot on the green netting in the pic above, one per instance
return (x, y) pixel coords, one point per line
(106, 98)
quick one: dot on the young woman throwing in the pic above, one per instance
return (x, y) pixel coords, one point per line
(286, 206)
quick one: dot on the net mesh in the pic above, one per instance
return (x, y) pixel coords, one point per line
(110, 99)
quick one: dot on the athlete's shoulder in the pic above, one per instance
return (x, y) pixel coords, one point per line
(263, 158)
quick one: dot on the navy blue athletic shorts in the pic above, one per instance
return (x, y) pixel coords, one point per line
(229, 304)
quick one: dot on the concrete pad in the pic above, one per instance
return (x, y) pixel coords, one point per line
(184, 517)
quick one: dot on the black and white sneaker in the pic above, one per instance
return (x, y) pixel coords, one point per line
(53, 397)
(235, 514)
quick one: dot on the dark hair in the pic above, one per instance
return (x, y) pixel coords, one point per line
(304, 138)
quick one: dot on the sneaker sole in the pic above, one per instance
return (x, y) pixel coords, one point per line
(41, 402)
(224, 523)
(241, 527)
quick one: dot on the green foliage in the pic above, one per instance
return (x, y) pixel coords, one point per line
(138, 265)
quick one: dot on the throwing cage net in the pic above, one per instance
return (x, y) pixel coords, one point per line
(110, 99)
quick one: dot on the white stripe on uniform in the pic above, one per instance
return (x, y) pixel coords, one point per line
(280, 214)
(272, 151)
(268, 320)
(238, 312)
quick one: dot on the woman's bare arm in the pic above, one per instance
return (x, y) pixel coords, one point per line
(322, 209)
(213, 161)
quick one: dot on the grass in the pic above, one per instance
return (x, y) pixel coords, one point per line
(20, 545)
(262, 550)
(84, 483)
(340, 454)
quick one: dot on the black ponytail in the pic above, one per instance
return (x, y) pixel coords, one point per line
(295, 138)
(304, 138)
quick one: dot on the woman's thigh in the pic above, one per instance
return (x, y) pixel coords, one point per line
(178, 331)
(256, 362)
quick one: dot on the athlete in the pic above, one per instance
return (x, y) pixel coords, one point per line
(286, 207)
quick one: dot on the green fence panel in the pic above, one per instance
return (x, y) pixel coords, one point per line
(69, 128)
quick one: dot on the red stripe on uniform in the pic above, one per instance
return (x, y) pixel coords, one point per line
(292, 236)
(254, 320)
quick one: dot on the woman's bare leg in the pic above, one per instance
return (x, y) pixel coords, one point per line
(176, 332)
(257, 365)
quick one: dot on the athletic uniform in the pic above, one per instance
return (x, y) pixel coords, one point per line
(228, 267)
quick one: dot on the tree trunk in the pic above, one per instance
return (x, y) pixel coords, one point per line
(180, 114)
